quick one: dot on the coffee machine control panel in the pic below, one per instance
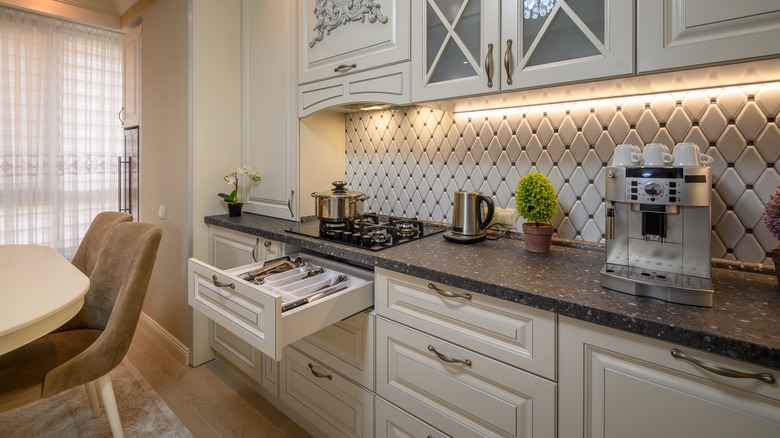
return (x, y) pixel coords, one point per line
(667, 186)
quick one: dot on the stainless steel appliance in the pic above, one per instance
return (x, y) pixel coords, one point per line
(658, 233)
(339, 204)
(469, 218)
(368, 230)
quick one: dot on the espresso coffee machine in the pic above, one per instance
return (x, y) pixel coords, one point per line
(658, 232)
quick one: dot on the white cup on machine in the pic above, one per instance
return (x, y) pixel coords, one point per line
(656, 154)
(626, 155)
(689, 155)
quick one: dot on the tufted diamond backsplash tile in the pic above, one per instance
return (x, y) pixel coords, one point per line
(411, 160)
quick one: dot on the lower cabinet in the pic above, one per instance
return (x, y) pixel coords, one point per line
(461, 364)
(617, 384)
(393, 422)
(333, 404)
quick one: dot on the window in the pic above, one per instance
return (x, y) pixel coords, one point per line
(60, 136)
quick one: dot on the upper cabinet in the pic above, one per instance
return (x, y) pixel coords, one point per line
(340, 37)
(351, 52)
(270, 142)
(467, 47)
(681, 33)
(131, 78)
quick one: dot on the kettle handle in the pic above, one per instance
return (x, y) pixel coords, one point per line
(483, 223)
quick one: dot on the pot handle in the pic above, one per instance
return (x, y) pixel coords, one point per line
(358, 198)
(483, 223)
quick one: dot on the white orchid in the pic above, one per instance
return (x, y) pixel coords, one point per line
(233, 177)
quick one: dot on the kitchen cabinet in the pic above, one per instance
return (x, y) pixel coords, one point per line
(254, 311)
(228, 249)
(270, 125)
(339, 38)
(616, 384)
(472, 47)
(393, 422)
(131, 78)
(351, 55)
(328, 378)
(682, 33)
(465, 364)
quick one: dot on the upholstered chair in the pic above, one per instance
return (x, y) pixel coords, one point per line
(89, 249)
(85, 355)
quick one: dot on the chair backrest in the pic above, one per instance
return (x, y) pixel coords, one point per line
(113, 304)
(89, 249)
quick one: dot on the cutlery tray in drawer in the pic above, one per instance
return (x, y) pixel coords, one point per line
(273, 310)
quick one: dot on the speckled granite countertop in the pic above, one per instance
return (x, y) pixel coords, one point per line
(744, 322)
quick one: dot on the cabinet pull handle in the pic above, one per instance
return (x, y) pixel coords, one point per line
(319, 375)
(289, 203)
(343, 68)
(221, 284)
(489, 65)
(254, 250)
(448, 294)
(447, 359)
(508, 61)
(119, 114)
(722, 371)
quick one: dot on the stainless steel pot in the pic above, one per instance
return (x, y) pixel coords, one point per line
(339, 204)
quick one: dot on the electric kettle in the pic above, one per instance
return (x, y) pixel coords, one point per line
(469, 219)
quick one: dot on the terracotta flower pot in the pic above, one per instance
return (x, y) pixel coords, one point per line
(234, 210)
(776, 259)
(537, 238)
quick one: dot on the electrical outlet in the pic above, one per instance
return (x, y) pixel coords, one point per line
(505, 216)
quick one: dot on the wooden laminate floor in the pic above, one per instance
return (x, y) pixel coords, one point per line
(210, 400)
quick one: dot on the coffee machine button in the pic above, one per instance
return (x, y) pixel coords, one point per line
(653, 188)
(672, 199)
(672, 192)
(672, 184)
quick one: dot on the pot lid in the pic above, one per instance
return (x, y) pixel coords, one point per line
(339, 191)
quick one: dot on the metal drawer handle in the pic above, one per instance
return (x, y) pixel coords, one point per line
(448, 294)
(289, 203)
(722, 371)
(447, 359)
(343, 68)
(507, 62)
(220, 284)
(319, 375)
(489, 65)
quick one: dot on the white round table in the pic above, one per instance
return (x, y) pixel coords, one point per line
(39, 291)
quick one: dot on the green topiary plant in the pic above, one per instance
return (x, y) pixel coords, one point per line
(535, 198)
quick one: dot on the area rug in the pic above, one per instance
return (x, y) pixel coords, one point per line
(143, 412)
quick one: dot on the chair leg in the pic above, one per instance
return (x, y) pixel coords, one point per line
(92, 394)
(106, 392)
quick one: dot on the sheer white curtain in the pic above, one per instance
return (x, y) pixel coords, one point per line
(60, 92)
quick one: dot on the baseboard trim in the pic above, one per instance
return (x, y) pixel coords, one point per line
(167, 340)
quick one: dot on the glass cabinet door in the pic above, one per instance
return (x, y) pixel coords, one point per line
(554, 41)
(455, 49)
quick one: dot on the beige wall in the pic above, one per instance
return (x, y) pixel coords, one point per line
(164, 159)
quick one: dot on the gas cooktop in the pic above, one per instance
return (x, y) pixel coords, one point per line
(370, 231)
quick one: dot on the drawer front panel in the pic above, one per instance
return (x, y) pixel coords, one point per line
(393, 422)
(515, 334)
(346, 347)
(332, 403)
(254, 312)
(484, 397)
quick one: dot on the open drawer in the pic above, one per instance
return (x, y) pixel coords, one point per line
(262, 314)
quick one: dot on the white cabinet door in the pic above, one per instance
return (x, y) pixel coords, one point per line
(339, 37)
(518, 335)
(565, 41)
(346, 347)
(270, 142)
(681, 33)
(333, 404)
(131, 78)
(616, 384)
(456, 48)
(392, 422)
(458, 391)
